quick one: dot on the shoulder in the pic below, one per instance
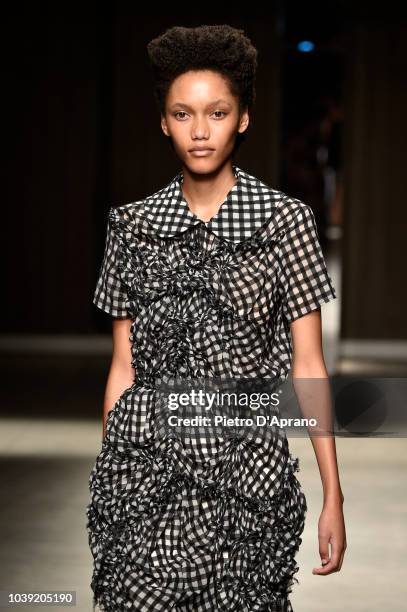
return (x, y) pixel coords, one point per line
(291, 216)
(284, 211)
(123, 212)
(131, 221)
(294, 212)
(136, 212)
(127, 218)
(295, 222)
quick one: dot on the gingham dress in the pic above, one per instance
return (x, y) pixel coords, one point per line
(173, 524)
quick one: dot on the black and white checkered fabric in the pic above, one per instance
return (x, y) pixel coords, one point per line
(189, 523)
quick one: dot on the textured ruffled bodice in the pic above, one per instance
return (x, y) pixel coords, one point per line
(201, 306)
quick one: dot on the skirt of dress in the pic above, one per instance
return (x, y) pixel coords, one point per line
(177, 523)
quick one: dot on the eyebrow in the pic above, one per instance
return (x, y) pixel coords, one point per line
(219, 101)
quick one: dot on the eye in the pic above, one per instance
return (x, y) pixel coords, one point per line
(182, 114)
(179, 112)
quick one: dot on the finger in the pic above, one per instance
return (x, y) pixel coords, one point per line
(342, 556)
(333, 564)
(337, 550)
(324, 549)
(321, 570)
(318, 570)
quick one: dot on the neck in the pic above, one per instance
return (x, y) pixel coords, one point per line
(205, 193)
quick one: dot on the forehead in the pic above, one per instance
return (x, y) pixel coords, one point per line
(200, 86)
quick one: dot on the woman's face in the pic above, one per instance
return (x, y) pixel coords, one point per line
(201, 111)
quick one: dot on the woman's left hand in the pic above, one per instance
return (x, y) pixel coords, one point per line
(331, 530)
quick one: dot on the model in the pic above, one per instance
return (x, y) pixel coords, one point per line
(216, 274)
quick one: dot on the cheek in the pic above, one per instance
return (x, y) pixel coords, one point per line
(225, 131)
(179, 132)
(178, 137)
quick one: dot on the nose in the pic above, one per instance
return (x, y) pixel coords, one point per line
(200, 129)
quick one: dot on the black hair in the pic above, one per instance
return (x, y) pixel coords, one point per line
(220, 48)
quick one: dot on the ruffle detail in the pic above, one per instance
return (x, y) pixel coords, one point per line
(183, 292)
(245, 543)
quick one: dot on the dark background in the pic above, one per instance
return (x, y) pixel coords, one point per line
(82, 133)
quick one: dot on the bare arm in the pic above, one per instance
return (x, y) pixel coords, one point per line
(308, 362)
(121, 373)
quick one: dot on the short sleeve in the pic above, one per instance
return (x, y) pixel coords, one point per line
(110, 294)
(305, 275)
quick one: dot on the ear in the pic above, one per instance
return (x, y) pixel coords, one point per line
(164, 126)
(244, 121)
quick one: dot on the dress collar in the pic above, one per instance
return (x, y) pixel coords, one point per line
(248, 206)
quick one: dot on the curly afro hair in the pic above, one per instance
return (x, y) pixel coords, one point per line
(220, 48)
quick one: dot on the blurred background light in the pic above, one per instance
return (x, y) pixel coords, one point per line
(305, 46)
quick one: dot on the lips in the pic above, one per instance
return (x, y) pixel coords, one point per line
(201, 152)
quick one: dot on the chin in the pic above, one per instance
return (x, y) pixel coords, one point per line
(202, 165)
